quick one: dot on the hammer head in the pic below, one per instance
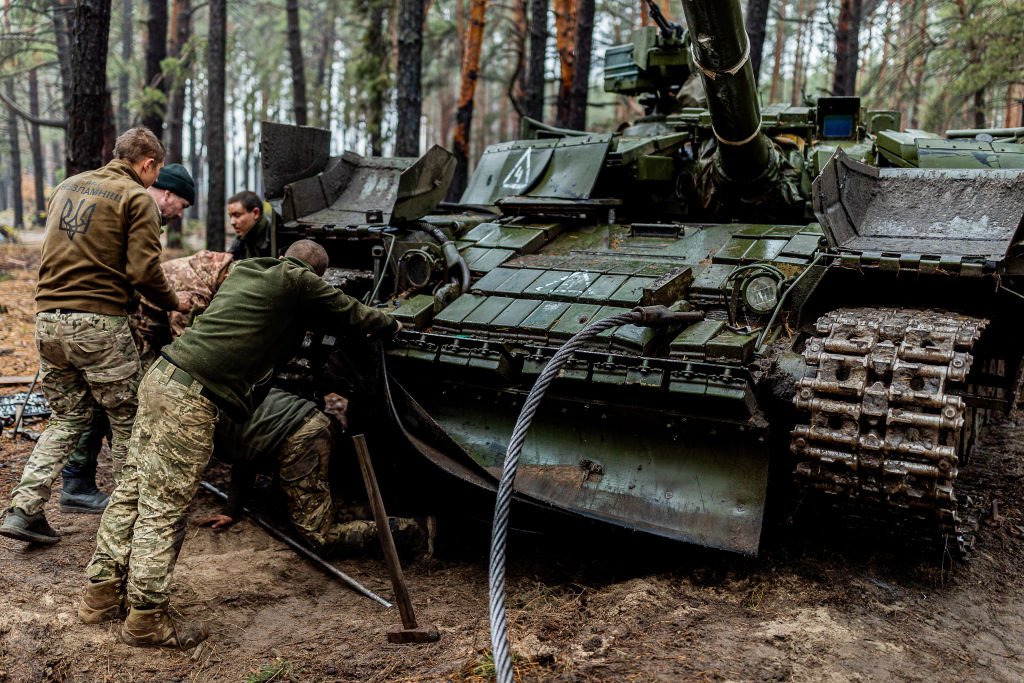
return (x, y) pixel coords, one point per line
(420, 634)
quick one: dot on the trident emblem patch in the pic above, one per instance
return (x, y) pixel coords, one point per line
(74, 220)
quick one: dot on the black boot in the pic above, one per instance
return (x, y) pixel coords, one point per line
(79, 492)
(28, 528)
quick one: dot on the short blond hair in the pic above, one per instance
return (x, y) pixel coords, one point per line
(137, 144)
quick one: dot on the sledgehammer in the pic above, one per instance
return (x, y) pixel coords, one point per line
(409, 631)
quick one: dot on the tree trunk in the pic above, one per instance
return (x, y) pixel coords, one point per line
(249, 121)
(756, 21)
(214, 118)
(195, 147)
(878, 84)
(295, 56)
(534, 91)
(517, 84)
(181, 30)
(109, 129)
(15, 165)
(56, 157)
(1014, 104)
(565, 41)
(376, 51)
(581, 73)
(325, 68)
(124, 121)
(467, 89)
(410, 91)
(844, 83)
(780, 42)
(61, 29)
(796, 94)
(90, 29)
(3, 188)
(979, 108)
(181, 19)
(156, 52)
(38, 172)
(919, 66)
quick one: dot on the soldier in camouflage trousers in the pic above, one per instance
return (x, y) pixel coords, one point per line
(257, 318)
(290, 438)
(197, 277)
(102, 241)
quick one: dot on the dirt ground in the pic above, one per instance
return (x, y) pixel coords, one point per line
(815, 606)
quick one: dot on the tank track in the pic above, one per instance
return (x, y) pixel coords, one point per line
(885, 420)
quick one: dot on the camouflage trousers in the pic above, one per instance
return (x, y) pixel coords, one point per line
(303, 472)
(88, 448)
(85, 359)
(143, 527)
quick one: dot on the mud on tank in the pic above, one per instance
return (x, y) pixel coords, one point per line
(857, 329)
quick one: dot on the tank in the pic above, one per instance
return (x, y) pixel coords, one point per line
(858, 285)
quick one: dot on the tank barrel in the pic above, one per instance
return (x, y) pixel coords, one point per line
(721, 53)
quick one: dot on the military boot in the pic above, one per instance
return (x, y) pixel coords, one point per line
(152, 626)
(28, 528)
(79, 492)
(414, 538)
(102, 601)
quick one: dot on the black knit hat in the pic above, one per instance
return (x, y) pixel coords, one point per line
(175, 178)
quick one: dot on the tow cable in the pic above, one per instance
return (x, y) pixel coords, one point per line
(644, 316)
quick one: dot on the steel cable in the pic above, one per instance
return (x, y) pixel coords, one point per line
(499, 530)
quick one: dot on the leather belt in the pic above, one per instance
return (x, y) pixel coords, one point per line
(186, 380)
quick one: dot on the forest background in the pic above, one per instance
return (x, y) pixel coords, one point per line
(393, 77)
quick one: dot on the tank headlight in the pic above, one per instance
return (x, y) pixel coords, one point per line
(761, 294)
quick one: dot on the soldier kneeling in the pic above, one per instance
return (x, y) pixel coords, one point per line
(290, 438)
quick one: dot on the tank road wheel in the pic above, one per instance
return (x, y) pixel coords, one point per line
(885, 421)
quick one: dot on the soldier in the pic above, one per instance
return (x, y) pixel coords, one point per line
(290, 437)
(174, 191)
(258, 316)
(252, 220)
(102, 241)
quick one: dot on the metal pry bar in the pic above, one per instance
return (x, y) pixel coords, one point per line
(303, 550)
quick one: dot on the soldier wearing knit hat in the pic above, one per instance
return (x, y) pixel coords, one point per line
(174, 191)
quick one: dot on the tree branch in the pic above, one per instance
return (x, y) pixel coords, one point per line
(50, 123)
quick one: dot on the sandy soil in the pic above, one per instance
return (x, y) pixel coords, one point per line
(816, 606)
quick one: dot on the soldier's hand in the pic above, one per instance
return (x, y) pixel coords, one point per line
(217, 521)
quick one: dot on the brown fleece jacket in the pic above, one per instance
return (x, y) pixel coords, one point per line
(102, 241)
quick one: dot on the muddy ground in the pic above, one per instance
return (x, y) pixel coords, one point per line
(818, 605)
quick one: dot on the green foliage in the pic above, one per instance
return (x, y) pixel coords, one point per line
(934, 70)
(977, 50)
(484, 667)
(368, 70)
(983, 49)
(278, 670)
(149, 100)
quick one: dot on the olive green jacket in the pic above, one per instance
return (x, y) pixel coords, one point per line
(257, 319)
